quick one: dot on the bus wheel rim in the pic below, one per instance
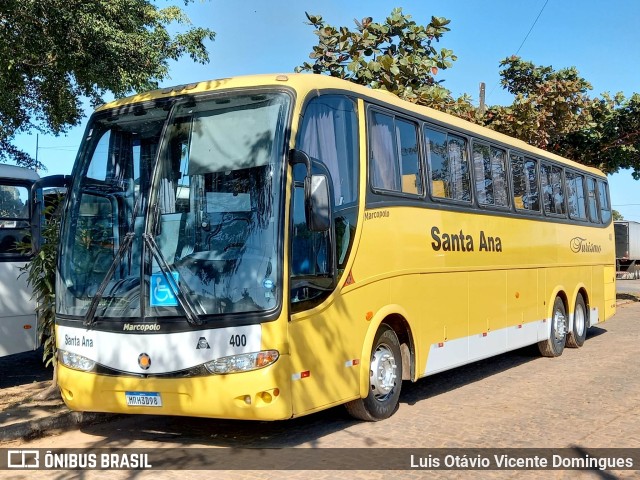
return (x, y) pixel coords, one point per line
(383, 372)
(580, 320)
(560, 325)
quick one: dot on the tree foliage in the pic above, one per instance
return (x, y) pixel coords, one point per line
(548, 104)
(612, 141)
(55, 53)
(554, 111)
(41, 277)
(551, 109)
(397, 55)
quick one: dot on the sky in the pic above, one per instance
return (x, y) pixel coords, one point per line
(599, 38)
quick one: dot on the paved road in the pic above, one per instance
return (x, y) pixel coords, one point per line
(587, 398)
(628, 286)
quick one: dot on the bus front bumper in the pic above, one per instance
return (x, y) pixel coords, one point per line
(262, 394)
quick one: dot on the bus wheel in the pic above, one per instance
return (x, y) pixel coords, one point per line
(554, 345)
(385, 379)
(578, 333)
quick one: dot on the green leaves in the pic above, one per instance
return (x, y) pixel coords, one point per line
(552, 110)
(396, 55)
(41, 277)
(54, 53)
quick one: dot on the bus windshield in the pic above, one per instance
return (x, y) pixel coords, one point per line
(178, 207)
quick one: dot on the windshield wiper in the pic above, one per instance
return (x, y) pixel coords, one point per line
(125, 247)
(93, 307)
(184, 300)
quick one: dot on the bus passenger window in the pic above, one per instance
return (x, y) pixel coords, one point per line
(482, 170)
(576, 200)
(409, 157)
(603, 197)
(591, 200)
(524, 173)
(489, 168)
(552, 186)
(499, 174)
(395, 156)
(14, 218)
(449, 165)
(385, 173)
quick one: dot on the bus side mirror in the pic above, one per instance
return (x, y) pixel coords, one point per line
(58, 182)
(317, 193)
(317, 203)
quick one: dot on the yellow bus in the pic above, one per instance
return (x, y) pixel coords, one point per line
(265, 247)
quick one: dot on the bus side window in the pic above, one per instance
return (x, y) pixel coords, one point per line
(576, 200)
(552, 185)
(14, 218)
(394, 156)
(482, 170)
(591, 201)
(384, 171)
(409, 154)
(329, 135)
(490, 172)
(603, 197)
(524, 175)
(448, 165)
(499, 174)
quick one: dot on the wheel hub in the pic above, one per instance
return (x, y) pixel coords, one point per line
(560, 325)
(579, 319)
(383, 372)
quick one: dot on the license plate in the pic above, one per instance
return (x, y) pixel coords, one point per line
(143, 399)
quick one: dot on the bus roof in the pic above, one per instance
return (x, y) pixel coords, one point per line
(305, 83)
(18, 173)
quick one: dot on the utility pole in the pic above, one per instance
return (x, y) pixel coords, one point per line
(482, 107)
(37, 139)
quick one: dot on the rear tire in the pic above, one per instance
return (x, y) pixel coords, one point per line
(385, 379)
(554, 345)
(578, 333)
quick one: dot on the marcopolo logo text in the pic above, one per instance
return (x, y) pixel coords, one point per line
(141, 327)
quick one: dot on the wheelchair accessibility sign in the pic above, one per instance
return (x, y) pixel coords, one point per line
(161, 294)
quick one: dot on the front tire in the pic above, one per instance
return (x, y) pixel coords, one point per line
(554, 345)
(385, 379)
(578, 333)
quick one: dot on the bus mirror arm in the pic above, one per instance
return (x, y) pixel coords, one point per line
(299, 157)
(37, 205)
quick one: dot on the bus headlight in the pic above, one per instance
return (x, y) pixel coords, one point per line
(242, 363)
(73, 360)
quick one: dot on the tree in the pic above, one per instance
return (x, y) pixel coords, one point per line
(55, 53)
(616, 215)
(552, 110)
(398, 56)
(612, 141)
(548, 104)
